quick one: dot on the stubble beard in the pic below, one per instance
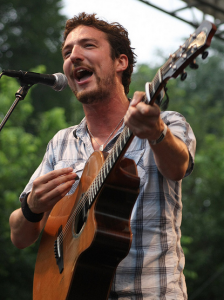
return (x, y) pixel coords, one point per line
(100, 93)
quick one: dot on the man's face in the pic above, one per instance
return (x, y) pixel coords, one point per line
(88, 65)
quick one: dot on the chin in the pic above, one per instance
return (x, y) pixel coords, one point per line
(89, 97)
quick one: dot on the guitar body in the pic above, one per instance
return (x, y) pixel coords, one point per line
(91, 250)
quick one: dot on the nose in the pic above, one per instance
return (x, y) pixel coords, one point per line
(76, 54)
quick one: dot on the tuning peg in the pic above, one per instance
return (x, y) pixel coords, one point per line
(173, 57)
(183, 47)
(193, 35)
(193, 65)
(204, 55)
(183, 76)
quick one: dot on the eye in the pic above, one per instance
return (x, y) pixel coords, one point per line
(89, 45)
(66, 53)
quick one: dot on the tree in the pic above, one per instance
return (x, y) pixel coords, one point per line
(31, 35)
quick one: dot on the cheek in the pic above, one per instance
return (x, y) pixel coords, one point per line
(66, 67)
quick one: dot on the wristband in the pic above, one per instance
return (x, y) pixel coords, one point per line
(162, 136)
(28, 214)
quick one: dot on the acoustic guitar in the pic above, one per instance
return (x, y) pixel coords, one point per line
(88, 233)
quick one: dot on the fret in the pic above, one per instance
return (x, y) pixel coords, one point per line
(116, 150)
(153, 87)
(95, 191)
(124, 139)
(104, 172)
(107, 167)
(101, 176)
(97, 183)
(120, 144)
(160, 75)
(90, 200)
(113, 155)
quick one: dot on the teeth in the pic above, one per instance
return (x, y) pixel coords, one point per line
(80, 70)
(82, 74)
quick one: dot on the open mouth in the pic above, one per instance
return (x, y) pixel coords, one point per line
(82, 74)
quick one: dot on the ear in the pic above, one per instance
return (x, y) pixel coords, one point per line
(122, 63)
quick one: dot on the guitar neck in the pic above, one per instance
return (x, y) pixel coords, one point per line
(114, 157)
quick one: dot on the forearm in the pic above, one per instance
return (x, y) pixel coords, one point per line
(23, 232)
(171, 156)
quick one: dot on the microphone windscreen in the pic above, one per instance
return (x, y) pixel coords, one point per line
(60, 83)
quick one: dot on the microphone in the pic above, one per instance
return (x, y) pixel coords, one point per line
(57, 81)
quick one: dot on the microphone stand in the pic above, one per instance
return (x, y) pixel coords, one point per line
(20, 95)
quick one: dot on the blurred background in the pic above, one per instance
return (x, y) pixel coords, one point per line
(30, 40)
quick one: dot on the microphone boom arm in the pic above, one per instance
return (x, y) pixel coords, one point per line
(57, 81)
(20, 95)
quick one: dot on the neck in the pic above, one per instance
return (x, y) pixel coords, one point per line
(103, 117)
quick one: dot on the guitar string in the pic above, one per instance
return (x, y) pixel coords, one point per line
(89, 193)
(99, 179)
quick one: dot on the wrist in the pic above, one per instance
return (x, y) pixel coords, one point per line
(161, 137)
(28, 214)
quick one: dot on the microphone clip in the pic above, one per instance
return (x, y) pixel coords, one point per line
(23, 90)
(24, 87)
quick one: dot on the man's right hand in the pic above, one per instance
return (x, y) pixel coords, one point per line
(49, 189)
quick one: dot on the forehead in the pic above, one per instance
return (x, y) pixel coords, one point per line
(84, 33)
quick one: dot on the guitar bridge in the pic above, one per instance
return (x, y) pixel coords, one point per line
(58, 250)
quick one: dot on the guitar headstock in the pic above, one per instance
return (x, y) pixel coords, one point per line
(179, 60)
(185, 55)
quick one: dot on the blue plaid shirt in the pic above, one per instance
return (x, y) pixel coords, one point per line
(153, 269)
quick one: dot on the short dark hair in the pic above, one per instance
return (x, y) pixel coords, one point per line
(117, 37)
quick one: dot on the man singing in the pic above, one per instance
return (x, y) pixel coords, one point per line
(98, 63)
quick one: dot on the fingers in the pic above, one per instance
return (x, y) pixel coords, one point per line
(143, 119)
(48, 200)
(54, 174)
(53, 179)
(50, 188)
(137, 97)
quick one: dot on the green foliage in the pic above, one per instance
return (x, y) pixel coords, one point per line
(30, 30)
(31, 35)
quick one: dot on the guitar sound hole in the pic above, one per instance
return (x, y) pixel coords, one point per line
(80, 220)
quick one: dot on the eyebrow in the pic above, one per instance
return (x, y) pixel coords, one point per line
(84, 40)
